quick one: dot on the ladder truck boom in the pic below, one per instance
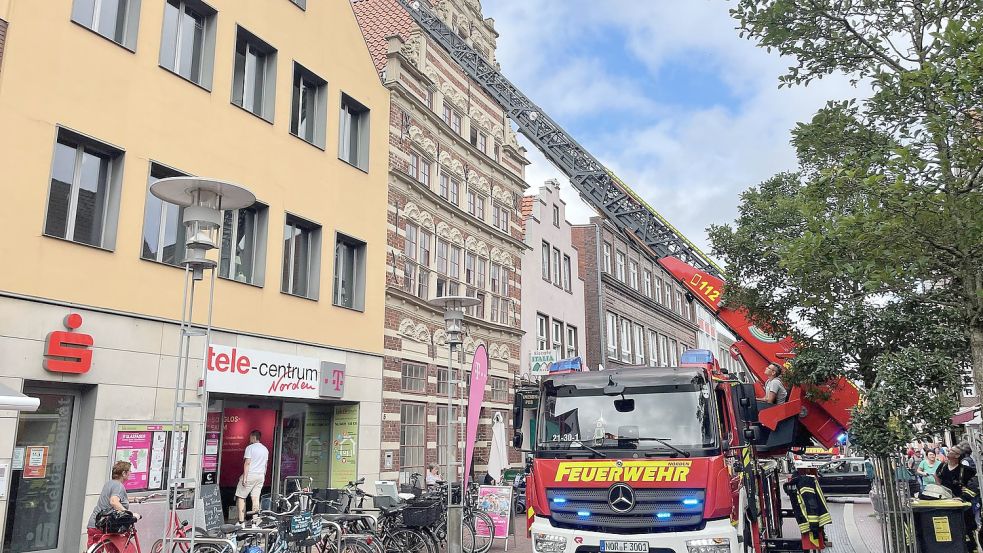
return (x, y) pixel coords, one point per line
(825, 419)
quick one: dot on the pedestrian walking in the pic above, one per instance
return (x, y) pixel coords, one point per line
(927, 467)
(253, 476)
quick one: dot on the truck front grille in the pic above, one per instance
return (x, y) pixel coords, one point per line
(588, 509)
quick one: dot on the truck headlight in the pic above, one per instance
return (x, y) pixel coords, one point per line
(548, 543)
(708, 545)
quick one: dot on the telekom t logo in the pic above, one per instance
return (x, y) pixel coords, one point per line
(338, 379)
(68, 352)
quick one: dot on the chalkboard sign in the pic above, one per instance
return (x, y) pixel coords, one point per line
(211, 499)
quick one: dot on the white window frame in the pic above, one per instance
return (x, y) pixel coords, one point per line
(557, 279)
(308, 80)
(572, 345)
(258, 212)
(416, 377)
(356, 291)
(207, 53)
(625, 339)
(566, 273)
(638, 343)
(313, 235)
(542, 332)
(653, 339)
(557, 337)
(607, 258)
(130, 17)
(354, 118)
(619, 265)
(612, 335)
(669, 295)
(663, 350)
(633, 274)
(647, 283)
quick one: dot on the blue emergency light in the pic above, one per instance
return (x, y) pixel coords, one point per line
(663, 516)
(696, 357)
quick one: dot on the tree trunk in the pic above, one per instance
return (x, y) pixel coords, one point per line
(976, 350)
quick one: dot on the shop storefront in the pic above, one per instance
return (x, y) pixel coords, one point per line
(104, 383)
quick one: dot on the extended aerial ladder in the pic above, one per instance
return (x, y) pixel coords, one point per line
(824, 419)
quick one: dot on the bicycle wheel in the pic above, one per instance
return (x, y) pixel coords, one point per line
(407, 540)
(102, 547)
(484, 531)
(468, 539)
(358, 545)
(212, 548)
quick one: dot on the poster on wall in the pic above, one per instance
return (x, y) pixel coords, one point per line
(497, 502)
(344, 445)
(152, 450)
(237, 423)
(213, 435)
(37, 462)
(317, 446)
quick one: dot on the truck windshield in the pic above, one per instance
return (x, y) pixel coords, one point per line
(683, 416)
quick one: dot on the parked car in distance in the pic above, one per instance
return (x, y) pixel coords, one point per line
(812, 458)
(845, 476)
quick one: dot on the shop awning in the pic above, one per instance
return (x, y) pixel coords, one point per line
(965, 414)
(11, 400)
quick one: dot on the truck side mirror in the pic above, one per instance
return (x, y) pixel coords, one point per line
(517, 440)
(751, 435)
(517, 406)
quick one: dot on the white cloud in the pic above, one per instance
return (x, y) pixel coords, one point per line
(689, 163)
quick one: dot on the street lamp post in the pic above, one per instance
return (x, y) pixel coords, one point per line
(203, 201)
(453, 307)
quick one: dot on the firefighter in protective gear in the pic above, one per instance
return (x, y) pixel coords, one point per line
(961, 480)
(810, 510)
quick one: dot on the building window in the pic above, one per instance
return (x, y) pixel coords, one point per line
(557, 336)
(254, 75)
(633, 274)
(420, 168)
(658, 290)
(571, 342)
(669, 295)
(546, 261)
(687, 308)
(499, 389)
(679, 302)
(626, 340)
(542, 332)
(620, 266)
(479, 139)
(663, 351)
(653, 339)
(301, 257)
(116, 20)
(187, 43)
(638, 342)
(441, 257)
(83, 198)
(414, 377)
(566, 273)
(476, 205)
(556, 268)
(607, 258)
(428, 98)
(309, 106)
(500, 218)
(556, 216)
(163, 228)
(442, 381)
(673, 353)
(349, 272)
(412, 437)
(612, 335)
(647, 283)
(243, 255)
(444, 442)
(498, 152)
(353, 133)
(455, 262)
(450, 188)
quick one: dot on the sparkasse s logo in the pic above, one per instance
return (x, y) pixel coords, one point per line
(68, 352)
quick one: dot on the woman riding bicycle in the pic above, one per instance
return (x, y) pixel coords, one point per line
(112, 498)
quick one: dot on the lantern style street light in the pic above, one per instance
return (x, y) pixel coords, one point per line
(203, 201)
(453, 307)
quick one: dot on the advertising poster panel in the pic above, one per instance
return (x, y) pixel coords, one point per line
(344, 445)
(237, 424)
(479, 376)
(37, 462)
(497, 502)
(317, 446)
(152, 450)
(213, 435)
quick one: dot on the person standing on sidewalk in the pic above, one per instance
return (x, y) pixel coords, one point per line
(253, 473)
(927, 467)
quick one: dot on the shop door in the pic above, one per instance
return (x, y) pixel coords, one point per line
(36, 513)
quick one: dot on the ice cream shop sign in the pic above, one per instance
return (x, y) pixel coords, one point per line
(265, 373)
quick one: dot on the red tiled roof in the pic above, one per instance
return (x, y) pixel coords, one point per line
(526, 210)
(380, 19)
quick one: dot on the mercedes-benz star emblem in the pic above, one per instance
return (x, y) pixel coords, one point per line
(621, 498)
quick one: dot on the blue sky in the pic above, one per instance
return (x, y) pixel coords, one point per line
(663, 92)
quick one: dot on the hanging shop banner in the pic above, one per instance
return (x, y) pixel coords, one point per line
(237, 423)
(36, 462)
(263, 373)
(213, 435)
(540, 361)
(497, 502)
(479, 376)
(152, 450)
(344, 445)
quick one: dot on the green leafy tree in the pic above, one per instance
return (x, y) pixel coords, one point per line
(872, 253)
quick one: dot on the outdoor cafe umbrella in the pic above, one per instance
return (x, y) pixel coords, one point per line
(498, 458)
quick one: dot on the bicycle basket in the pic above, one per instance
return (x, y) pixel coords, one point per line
(299, 527)
(115, 522)
(421, 513)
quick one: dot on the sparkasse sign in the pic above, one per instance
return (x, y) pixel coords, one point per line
(262, 373)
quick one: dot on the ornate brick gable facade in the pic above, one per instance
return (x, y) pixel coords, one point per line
(454, 227)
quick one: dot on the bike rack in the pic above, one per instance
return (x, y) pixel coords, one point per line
(214, 541)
